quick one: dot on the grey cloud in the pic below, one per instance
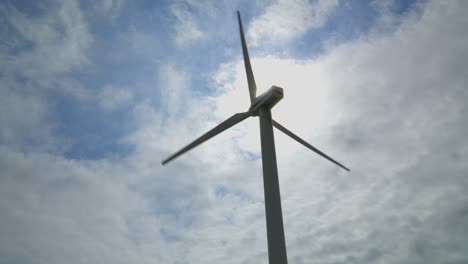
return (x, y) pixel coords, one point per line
(57, 40)
(404, 99)
(38, 49)
(397, 109)
(112, 98)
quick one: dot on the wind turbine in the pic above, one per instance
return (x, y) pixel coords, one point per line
(261, 106)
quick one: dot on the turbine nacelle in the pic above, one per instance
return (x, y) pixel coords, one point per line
(268, 99)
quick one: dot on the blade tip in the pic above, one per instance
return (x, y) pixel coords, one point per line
(164, 162)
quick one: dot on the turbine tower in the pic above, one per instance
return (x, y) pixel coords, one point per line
(261, 106)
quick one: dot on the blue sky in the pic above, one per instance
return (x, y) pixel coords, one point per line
(128, 45)
(94, 95)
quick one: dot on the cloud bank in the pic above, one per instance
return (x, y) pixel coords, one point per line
(288, 20)
(390, 104)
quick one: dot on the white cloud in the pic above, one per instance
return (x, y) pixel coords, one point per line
(56, 210)
(195, 18)
(42, 47)
(23, 121)
(391, 106)
(59, 40)
(286, 20)
(185, 27)
(112, 98)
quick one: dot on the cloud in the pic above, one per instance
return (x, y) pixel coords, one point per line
(58, 41)
(106, 210)
(390, 105)
(287, 20)
(185, 26)
(195, 19)
(39, 49)
(112, 98)
(111, 8)
(71, 207)
(22, 121)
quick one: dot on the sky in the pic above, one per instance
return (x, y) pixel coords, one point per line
(95, 94)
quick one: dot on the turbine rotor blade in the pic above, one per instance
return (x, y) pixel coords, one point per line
(233, 120)
(248, 66)
(303, 142)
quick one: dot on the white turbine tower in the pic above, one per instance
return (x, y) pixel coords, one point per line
(261, 106)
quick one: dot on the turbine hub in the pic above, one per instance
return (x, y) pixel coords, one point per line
(268, 99)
